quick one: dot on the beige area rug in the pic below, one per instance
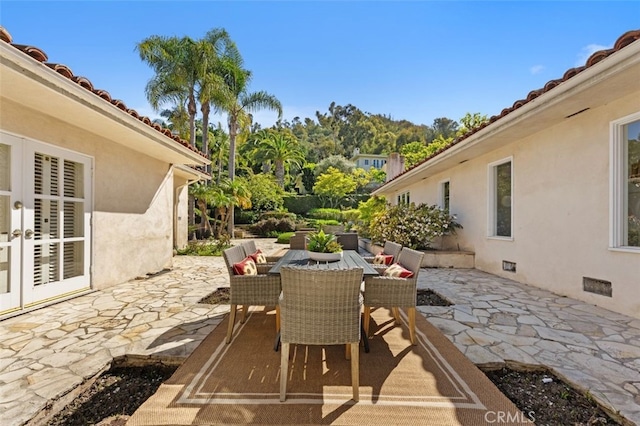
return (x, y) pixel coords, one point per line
(431, 383)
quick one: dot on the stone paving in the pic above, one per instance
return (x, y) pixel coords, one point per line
(46, 355)
(493, 320)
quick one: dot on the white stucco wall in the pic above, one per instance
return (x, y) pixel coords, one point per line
(560, 223)
(133, 197)
(181, 192)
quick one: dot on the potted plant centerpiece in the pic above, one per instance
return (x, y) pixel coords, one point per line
(324, 247)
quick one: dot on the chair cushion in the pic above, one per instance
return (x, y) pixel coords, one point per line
(258, 257)
(383, 259)
(246, 267)
(398, 271)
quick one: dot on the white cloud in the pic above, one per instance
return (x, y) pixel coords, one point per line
(587, 51)
(536, 69)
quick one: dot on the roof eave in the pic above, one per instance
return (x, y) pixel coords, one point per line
(618, 62)
(38, 87)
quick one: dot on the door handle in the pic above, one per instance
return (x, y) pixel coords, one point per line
(16, 233)
(28, 234)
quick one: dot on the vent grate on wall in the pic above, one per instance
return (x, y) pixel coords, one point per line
(508, 266)
(594, 285)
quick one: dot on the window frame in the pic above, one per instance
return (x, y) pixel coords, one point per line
(403, 198)
(618, 152)
(441, 195)
(491, 199)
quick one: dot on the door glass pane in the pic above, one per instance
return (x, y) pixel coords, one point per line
(73, 219)
(5, 218)
(5, 167)
(45, 174)
(503, 200)
(73, 259)
(73, 179)
(45, 264)
(633, 187)
(5, 258)
(45, 219)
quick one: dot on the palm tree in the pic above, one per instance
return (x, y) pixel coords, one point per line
(227, 195)
(178, 67)
(281, 149)
(216, 48)
(238, 103)
(204, 195)
(178, 120)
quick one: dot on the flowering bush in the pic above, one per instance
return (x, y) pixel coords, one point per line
(414, 226)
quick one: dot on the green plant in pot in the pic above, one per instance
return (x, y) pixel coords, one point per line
(323, 247)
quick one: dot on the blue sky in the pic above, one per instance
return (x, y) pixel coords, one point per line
(415, 60)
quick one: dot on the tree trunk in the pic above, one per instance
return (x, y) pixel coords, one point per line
(280, 173)
(191, 109)
(206, 109)
(233, 131)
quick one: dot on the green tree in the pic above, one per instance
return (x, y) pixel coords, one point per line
(333, 185)
(280, 148)
(214, 50)
(238, 103)
(177, 72)
(470, 122)
(266, 194)
(337, 162)
(203, 195)
(228, 194)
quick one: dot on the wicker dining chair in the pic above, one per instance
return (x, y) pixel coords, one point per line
(395, 292)
(250, 248)
(389, 248)
(249, 290)
(320, 307)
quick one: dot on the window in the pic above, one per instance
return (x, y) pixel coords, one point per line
(404, 198)
(366, 162)
(444, 195)
(625, 183)
(376, 164)
(500, 198)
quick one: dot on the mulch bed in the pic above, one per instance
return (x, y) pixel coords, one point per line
(544, 398)
(425, 298)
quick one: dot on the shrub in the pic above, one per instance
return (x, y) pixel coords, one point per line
(209, 247)
(245, 217)
(327, 214)
(368, 210)
(272, 227)
(280, 214)
(301, 204)
(414, 226)
(285, 237)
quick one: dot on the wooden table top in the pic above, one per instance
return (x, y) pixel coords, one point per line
(350, 259)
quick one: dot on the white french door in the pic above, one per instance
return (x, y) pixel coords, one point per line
(48, 236)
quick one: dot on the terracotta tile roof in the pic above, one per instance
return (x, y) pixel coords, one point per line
(623, 41)
(65, 71)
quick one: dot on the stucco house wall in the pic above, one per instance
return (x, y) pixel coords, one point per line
(560, 142)
(132, 194)
(106, 200)
(560, 229)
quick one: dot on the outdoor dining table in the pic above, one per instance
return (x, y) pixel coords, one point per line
(350, 259)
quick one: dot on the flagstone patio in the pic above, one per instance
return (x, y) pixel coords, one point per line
(47, 353)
